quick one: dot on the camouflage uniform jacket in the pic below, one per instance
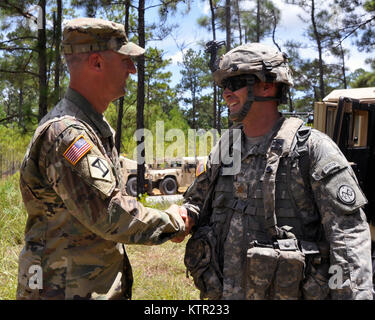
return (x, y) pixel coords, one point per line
(78, 210)
(318, 215)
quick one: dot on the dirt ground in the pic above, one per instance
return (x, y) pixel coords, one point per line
(156, 192)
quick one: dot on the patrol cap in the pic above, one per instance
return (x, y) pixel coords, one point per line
(91, 34)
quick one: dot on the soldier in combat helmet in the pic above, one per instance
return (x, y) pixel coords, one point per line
(287, 223)
(79, 214)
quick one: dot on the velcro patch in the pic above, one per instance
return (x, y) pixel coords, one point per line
(200, 169)
(346, 194)
(99, 168)
(77, 150)
(330, 167)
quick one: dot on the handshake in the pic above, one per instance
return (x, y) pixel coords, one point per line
(189, 221)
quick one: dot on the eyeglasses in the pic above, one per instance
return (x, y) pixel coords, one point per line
(234, 83)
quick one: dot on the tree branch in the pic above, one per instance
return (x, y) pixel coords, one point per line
(20, 38)
(18, 48)
(19, 71)
(18, 9)
(9, 118)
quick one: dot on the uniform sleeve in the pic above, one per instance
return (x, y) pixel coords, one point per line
(340, 201)
(196, 194)
(88, 189)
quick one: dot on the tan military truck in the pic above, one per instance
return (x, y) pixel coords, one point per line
(167, 176)
(348, 117)
(129, 171)
(173, 174)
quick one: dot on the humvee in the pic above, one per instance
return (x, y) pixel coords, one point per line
(348, 117)
(167, 176)
(129, 171)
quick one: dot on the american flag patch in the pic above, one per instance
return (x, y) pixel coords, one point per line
(77, 150)
(200, 169)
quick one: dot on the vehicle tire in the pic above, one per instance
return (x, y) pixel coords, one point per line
(131, 186)
(168, 186)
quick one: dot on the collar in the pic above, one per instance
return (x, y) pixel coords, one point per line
(89, 115)
(261, 148)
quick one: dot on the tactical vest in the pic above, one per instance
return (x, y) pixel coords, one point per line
(245, 193)
(293, 204)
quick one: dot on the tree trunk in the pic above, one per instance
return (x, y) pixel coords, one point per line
(291, 108)
(57, 53)
(121, 101)
(214, 106)
(258, 21)
(342, 54)
(42, 63)
(239, 20)
(228, 34)
(141, 98)
(274, 30)
(219, 116)
(20, 105)
(227, 25)
(320, 52)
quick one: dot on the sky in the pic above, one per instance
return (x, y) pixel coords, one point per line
(290, 27)
(188, 34)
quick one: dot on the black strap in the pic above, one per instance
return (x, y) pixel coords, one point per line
(127, 283)
(206, 211)
(302, 149)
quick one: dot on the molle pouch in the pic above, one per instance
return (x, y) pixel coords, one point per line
(201, 261)
(261, 266)
(289, 273)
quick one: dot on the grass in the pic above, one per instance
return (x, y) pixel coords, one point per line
(12, 225)
(159, 271)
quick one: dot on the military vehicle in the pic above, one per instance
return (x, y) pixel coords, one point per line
(348, 117)
(129, 171)
(167, 176)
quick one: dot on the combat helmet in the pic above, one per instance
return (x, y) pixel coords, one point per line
(251, 61)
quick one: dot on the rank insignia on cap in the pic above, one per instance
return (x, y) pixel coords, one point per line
(346, 194)
(77, 150)
(200, 169)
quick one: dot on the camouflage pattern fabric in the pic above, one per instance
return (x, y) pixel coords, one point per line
(82, 35)
(328, 223)
(78, 210)
(254, 58)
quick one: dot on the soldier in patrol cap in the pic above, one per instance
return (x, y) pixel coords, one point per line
(287, 223)
(79, 214)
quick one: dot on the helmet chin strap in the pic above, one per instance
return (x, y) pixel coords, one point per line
(240, 115)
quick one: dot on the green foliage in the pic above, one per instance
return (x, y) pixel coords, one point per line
(13, 145)
(161, 104)
(363, 79)
(269, 14)
(12, 225)
(195, 78)
(159, 271)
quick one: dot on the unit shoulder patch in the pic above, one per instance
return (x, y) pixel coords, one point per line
(99, 168)
(346, 194)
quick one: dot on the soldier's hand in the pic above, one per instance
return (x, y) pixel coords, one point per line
(188, 224)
